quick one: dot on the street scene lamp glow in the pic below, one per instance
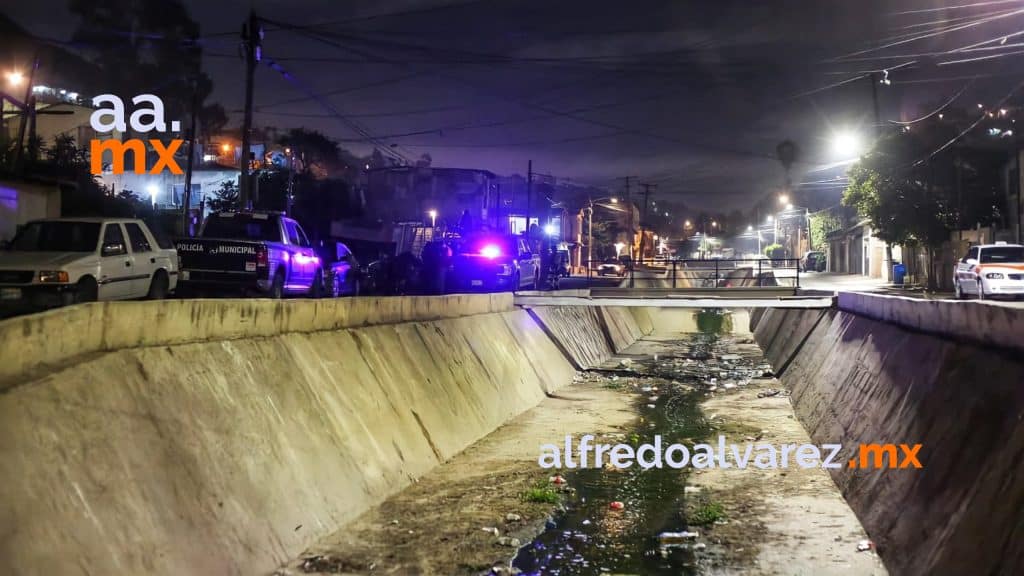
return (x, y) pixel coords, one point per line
(789, 206)
(15, 78)
(687, 224)
(433, 218)
(783, 199)
(847, 144)
(770, 219)
(550, 230)
(615, 200)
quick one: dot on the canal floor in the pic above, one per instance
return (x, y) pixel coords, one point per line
(492, 509)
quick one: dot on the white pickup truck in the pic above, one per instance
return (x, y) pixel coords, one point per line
(62, 261)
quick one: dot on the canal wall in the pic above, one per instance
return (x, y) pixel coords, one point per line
(225, 436)
(884, 369)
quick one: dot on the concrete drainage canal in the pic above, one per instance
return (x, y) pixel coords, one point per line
(520, 501)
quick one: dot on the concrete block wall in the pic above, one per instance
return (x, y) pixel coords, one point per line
(857, 379)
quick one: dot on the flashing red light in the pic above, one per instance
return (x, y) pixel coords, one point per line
(490, 251)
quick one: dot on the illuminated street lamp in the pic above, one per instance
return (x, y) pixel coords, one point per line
(433, 218)
(783, 199)
(618, 248)
(14, 78)
(847, 144)
(613, 200)
(789, 206)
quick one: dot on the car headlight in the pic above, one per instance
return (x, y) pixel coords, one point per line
(994, 276)
(53, 276)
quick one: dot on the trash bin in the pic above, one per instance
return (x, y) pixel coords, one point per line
(899, 273)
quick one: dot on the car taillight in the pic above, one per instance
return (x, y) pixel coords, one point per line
(261, 257)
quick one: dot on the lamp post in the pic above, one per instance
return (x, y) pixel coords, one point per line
(433, 218)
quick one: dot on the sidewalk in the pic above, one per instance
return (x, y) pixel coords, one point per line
(836, 282)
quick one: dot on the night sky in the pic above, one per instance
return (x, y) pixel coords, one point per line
(692, 96)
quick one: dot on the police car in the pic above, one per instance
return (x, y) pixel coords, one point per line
(991, 270)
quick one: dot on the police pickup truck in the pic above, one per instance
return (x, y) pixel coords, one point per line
(263, 253)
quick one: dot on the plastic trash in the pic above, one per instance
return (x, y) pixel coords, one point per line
(491, 530)
(557, 480)
(616, 505)
(677, 537)
(865, 545)
(513, 517)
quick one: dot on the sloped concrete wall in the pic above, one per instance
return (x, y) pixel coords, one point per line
(229, 457)
(578, 331)
(855, 379)
(33, 344)
(621, 326)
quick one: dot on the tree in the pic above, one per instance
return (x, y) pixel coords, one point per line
(212, 119)
(908, 191)
(317, 154)
(225, 198)
(144, 47)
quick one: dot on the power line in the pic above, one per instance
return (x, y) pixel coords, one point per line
(937, 110)
(323, 102)
(553, 112)
(961, 6)
(931, 34)
(971, 127)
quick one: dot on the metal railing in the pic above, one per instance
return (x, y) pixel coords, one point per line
(712, 273)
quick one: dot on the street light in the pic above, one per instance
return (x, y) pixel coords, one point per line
(614, 200)
(789, 206)
(14, 78)
(433, 218)
(847, 144)
(783, 199)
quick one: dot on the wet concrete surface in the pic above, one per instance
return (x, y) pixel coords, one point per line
(474, 514)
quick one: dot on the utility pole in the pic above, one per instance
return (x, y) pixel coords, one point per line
(874, 79)
(252, 37)
(629, 217)
(26, 111)
(643, 221)
(529, 194)
(186, 208)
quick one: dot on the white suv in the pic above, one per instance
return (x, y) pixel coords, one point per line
(66, 260)
(990, 270)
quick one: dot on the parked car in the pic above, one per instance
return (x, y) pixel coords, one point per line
(263, 253)
(495, 262)
(611, 267)
(392, 275)
(990, 270)
(56, 262)
(813, 262)
(342, 275)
